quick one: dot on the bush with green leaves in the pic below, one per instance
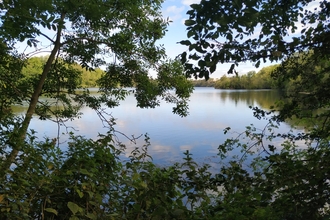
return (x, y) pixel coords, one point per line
(92, 180)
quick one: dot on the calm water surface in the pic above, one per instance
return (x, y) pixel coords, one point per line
(201, 132)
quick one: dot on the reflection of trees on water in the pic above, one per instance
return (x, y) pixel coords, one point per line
(267, 98)
(310, 119)
(19, 109)
(262, 98)
(51, 103)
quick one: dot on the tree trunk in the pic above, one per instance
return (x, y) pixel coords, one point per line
(21, 132)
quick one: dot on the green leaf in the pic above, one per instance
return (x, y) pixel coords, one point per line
(190, 12)
(85, 172)
(258, 64)
(183, 57)
(91, 216)
(190, 33)
(51, 210)
(90, 193)
(213, 68)
(58, 20)
(189, 22)
(80, 194)
(195, 6)
(185, 42)
(51, 18)
(135, 176)
(199, 49)
(143, 184)
(74, 208)
(230, 37)
(201, 63)
(232, 67)
(191, 47)
(178, 212)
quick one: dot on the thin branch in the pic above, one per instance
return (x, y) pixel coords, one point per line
(48, 38)
(110, 123)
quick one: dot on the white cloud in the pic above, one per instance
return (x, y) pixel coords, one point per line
(160, 148)
(174, 9)
(174, 12)
(186, 147)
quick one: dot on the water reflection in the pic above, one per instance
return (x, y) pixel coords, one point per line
(262, 98)
(201, 132)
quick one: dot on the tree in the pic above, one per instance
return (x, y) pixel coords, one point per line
(256, 31)
(287, 181)
(118, 35)
(238, 31)
(39, 180)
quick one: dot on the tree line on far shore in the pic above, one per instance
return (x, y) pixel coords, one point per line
(252, 80)
(87, 78)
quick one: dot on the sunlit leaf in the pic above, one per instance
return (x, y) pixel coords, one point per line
(51, 210)
(74, 208)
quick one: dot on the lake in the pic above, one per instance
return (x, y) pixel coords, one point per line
(210, 112)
